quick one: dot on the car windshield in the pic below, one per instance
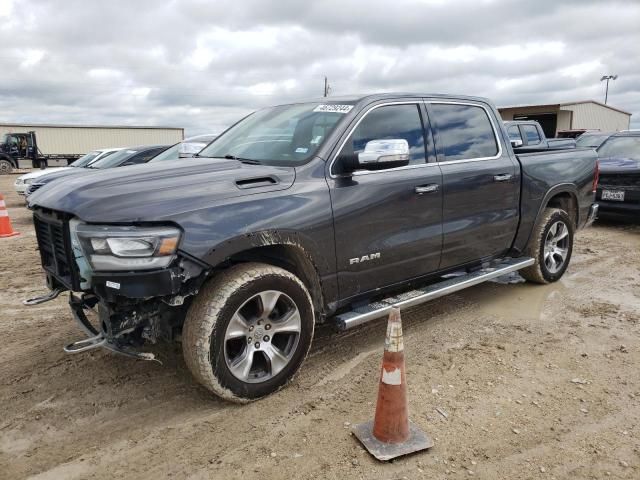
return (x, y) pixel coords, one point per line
(113, 160)
(285, 135)
(621, 147)
(592, 141)
(171, 153)
(186, 148)
(86, 159)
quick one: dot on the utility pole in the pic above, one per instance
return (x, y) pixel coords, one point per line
(607, 78)
(326, 87)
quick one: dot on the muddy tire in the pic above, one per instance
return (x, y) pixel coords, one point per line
(248, 331)
(6, 167)
(551, 246)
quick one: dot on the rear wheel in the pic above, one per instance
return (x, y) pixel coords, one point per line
(551, 246)
(248, 331)
(6, 167)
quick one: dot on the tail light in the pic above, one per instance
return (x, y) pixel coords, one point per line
(596, 177)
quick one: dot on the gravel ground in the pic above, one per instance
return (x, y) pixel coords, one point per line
(536, 382)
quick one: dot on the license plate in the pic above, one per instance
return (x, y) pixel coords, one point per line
(617, 195)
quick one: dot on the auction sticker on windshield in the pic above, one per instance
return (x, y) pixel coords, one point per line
(333, 108)
(617, 195)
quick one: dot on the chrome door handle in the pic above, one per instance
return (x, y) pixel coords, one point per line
(503, 177)
(432, 187)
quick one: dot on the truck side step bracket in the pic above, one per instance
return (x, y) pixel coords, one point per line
(380, 308)
(100, 341)
(43, 298)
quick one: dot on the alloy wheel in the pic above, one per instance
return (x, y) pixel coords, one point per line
(262, 336)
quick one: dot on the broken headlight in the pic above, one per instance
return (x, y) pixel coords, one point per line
(115, 247)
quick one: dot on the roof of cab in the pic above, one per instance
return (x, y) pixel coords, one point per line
(369, 98)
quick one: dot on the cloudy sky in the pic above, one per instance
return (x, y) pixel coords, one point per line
(203, 64)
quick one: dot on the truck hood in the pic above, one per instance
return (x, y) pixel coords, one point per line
(155, 191)
(619, 165)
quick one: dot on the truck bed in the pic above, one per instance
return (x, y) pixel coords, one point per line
(543, 173)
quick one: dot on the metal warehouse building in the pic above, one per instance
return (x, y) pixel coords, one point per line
(558, 117)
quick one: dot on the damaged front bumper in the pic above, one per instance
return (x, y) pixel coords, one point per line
(134, 278)
(132, 308)
(97, 338)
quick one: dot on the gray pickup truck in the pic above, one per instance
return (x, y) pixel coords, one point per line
(332, 210)
(528, 136)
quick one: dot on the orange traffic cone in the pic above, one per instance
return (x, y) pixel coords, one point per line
(5, 223)
(391, 434)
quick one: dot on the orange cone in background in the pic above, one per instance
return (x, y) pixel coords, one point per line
(5, 223)
(391, 434)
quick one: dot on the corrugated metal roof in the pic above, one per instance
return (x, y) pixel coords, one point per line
(564, 104)
(541, 105)
(597, 103)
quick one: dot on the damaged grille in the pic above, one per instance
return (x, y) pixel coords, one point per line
(54, 243)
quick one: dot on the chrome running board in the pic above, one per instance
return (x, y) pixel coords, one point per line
(378, 309)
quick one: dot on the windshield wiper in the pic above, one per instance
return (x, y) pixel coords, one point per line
(248, 161)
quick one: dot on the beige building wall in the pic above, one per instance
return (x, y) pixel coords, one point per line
(592, 115)
(80, 140)
(563, 120)
(580, 115)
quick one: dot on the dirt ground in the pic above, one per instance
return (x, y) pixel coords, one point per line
(536, 382)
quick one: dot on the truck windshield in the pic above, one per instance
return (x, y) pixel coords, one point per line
(286, 135)
(621, 147)
(591, 140)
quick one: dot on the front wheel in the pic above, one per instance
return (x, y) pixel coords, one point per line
(248, 331)
(551, 246)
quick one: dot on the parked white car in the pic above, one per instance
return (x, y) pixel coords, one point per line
(22, 182)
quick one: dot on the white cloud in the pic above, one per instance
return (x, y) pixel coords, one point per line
(6, 8)
(202, 65)
(583, 69)
(30, 57)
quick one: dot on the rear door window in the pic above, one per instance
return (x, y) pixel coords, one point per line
(464, 132)
(531, 132)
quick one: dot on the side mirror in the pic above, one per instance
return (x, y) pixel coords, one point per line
(515, 143)
(126, 164)
(388, 153)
